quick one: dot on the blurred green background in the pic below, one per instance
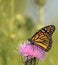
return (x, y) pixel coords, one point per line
(17, 26)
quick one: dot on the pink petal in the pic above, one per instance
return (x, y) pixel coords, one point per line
(31, 51)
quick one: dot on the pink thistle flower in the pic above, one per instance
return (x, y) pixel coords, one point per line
(29, 50)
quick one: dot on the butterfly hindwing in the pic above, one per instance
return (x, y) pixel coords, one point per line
(43, 38)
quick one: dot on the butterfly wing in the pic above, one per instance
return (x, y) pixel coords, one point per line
(43, 38)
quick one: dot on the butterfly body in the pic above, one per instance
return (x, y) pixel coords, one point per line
(43, 38)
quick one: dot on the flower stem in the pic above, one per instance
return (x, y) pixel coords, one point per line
(41, 11)
(31, 61)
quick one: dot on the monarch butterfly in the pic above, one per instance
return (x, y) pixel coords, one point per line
(43, 38)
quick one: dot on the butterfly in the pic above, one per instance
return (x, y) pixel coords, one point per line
(43, 38)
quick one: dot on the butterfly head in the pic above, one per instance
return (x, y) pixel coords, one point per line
(31, 41)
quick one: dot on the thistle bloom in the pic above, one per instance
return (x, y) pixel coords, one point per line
(29, 50)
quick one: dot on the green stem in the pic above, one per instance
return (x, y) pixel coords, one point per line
(4, 59)
(31, 61)
(11, 14)
(41, 11)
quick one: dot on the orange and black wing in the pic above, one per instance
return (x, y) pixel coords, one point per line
(43, 38)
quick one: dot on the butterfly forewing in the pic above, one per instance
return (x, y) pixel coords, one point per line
(43, 38)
